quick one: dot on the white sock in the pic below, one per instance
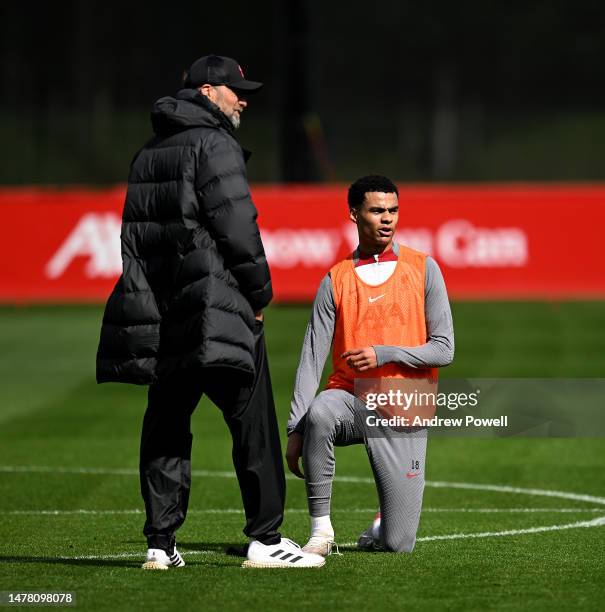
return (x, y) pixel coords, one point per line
(321, 525)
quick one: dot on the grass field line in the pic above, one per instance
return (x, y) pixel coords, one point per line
(597, 522)
(350, 479)
(521, 490)
(238, 511)
(129, 555)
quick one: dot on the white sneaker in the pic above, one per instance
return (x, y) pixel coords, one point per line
(284, 554)
(319, 545)
(158, 559)
(370, 538)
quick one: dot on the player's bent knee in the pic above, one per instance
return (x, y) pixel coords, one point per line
(320, 418)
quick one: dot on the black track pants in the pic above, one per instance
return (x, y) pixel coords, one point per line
(165, 462)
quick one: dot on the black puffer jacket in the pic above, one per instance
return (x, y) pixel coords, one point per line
(194, 268)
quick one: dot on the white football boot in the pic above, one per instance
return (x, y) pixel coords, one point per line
(158, 559)
(284, 554)
(319, 545)
(370, 538)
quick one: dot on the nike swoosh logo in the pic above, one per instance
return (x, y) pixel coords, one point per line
(412, 474)
(376, 298)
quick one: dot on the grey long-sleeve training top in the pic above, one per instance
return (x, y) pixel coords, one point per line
(437, 352)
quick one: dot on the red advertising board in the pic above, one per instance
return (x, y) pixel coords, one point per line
(492, 242)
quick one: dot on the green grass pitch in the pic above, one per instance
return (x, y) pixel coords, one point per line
(71, 516)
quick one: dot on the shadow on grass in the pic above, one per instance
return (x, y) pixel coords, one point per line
(125, 563)
(68, 561)
(218, 547)
(231, 550)
(228, 549)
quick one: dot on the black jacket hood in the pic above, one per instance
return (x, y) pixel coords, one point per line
(188, 109)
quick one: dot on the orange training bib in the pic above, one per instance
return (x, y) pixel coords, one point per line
(391, 313)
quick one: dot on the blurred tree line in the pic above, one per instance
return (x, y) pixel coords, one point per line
(428, 91)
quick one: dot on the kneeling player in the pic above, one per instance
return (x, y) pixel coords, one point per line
(385, 311)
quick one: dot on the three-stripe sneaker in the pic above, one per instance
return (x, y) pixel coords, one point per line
(158, 559)
(284, 554)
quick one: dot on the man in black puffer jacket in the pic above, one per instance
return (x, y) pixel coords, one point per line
(186, 315)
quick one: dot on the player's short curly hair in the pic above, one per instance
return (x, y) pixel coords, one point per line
(366, 184)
